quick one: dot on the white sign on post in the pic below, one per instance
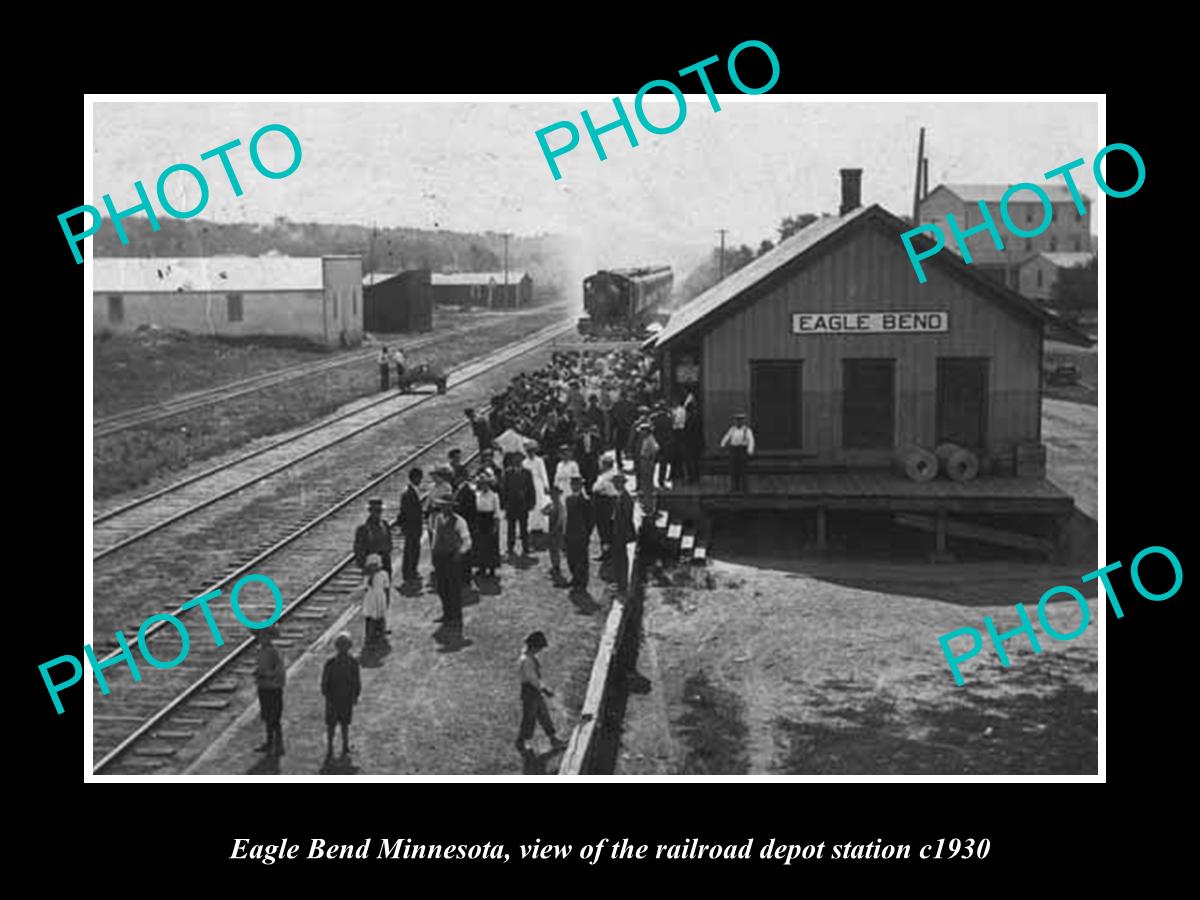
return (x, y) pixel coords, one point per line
(871, 322)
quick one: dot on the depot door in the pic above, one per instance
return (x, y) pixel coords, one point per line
(962, 402)
(775, 397)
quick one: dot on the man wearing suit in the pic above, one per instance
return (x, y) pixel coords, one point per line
(373, 536)
(482, 429)
(517, 496)
(578, 534)
(587, 451)
(623, 532)
(411, 521)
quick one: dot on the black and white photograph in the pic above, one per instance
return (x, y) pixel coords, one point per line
(484, 437)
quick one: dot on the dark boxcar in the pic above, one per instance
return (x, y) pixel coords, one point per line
(397, 303)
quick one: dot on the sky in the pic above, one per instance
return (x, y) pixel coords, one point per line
(477, 166)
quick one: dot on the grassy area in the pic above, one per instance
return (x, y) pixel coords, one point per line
(132, 370)
(131, 458)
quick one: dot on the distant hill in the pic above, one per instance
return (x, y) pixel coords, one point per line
(546, 257)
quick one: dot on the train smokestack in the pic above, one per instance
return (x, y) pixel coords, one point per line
(851, 190)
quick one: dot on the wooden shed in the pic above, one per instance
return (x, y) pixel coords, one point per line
(398, 302)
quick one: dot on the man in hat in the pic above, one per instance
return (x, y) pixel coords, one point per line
(578, 533)
(482, 430)
(740, 441)
(603, 494)
(450, 542)
(623, 531)
(401, 365)
(458, 470)
(621, 418)
(341, 683)
(587, 450)
(373, 536)
(517, 496)
(384, 362)
(567, 469)
(411, 522)
(270, 675)
(647, 458)
(664, 436)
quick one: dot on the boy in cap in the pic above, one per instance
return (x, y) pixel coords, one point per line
(270, 675)
(341, 683)
(534, 693)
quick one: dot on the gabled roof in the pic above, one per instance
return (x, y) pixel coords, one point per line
(815, 239)
(476, 278)
(208, 273)
(1064, 260)
(993, 193)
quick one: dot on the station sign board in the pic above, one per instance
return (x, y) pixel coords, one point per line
(918, 322)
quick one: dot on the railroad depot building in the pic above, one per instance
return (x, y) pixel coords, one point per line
(839, 357)
(319, 298)
(398, 302)
(490, 289)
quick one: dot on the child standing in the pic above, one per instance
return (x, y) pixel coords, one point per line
(375, 600)
(341, 683)
(270, 674)
(534, 694)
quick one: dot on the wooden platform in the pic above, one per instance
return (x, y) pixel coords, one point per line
(869, 490)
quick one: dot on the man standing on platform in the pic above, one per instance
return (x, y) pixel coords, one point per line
(373, 536)
(411, 522)
(451, 541)
(517, 497)
(693, 440)
(740, 441)
(621, 421)
(578, 534)
(623, 531)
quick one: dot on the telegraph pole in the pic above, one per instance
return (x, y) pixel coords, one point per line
(506, 236)
(722, 233)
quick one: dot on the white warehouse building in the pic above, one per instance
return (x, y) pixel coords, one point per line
(319, 298)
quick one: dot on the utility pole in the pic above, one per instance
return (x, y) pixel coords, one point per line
(506, 236)
(722, 233)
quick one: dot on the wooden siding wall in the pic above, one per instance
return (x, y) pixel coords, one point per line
(870, 272)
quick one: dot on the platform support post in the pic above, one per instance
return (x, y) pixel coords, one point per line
(940, 553)
(822, 530)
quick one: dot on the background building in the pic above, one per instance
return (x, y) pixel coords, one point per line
(483, 289)
(397, 302)
(1039, 273)
(318, 298)
(1068, 232)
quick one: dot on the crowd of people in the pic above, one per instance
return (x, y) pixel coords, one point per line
(548, 472)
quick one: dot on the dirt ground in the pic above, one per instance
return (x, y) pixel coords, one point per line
(438, 703)
(790, 670)
(771, 663)
(130, 458)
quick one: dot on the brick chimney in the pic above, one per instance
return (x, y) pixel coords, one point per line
(851, 190)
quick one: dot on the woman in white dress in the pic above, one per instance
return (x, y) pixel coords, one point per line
(541, 486)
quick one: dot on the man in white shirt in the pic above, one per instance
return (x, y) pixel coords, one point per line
(451, 541)
(399, 362)
(740, 441)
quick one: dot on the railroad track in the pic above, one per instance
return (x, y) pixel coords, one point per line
(139, 727)
(131, 522)
(144, 415)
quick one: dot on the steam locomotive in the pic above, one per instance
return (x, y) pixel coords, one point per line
(620, 303)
